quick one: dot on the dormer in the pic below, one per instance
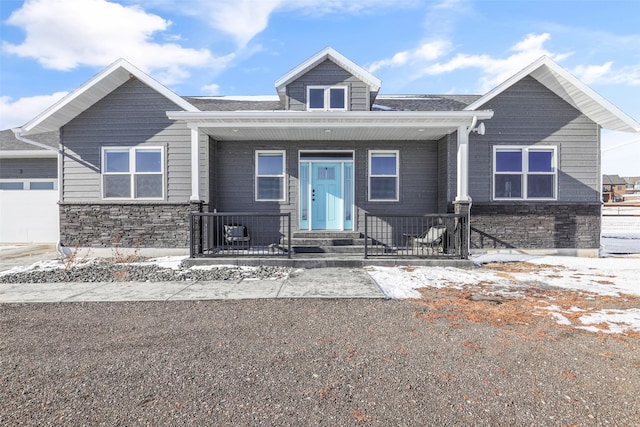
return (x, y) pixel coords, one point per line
(328, 81)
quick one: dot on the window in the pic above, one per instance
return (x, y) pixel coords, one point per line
(270, 176)
(133, 173)
(383, 176)
(332, 98)
(524, 173)
(29, 184)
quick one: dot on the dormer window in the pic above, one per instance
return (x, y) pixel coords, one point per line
(327, 98)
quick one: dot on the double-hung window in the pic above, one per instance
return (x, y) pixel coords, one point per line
(383, 176)
(133, 173)
(270, 175)
(327, 98)
(525, 173)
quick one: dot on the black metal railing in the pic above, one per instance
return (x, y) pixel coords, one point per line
(426, 236)
(239, 234)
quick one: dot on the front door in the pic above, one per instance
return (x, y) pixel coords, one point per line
(326, 196)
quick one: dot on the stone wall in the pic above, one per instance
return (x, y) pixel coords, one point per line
(125, 225)
(535, 226)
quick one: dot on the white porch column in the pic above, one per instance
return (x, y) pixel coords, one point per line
(463, 165)
(195, 164)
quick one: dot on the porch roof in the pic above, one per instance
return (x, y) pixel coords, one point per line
(328, 126)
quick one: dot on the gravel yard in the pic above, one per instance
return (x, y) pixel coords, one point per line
(305, 362)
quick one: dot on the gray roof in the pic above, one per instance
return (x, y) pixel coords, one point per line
(8, 141)
(382, 103)
(219, 103)
(424, 102)
(613, 180)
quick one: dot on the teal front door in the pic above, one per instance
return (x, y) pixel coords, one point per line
(326, 196)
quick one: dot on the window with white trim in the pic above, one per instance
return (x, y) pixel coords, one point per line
(383, 176)
(524, 173)
(326, 98)
(133, 173)
(270, 175)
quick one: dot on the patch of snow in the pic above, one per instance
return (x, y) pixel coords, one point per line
(617, 321)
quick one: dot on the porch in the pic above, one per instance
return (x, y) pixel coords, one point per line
(244, 238)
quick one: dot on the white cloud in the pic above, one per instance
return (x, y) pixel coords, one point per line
(18, 112)
(212, 89)
(63, 34)
(426, 52)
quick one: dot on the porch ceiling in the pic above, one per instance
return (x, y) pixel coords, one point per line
(328, 126)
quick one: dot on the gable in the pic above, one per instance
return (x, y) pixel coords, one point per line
(328, 73)
(102, 84)
(571, 90)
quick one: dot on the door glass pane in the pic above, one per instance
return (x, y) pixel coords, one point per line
(148, 161)
(316, 98)
(540, 186)
(348, 193)
(383, 188)
(509, 161)
(116, 161)
(11, 186)
(117, 186)
(336, 98)
(383, 164)
(270, 188)
(540, 161)
(304, 194)
(508, 186)
(148, 185)
(270, 164)
(41, 185)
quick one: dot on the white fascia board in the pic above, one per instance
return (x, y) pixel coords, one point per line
(339, 59)
(256, 119)
(83, 97)
(27, 154)
(588, 102)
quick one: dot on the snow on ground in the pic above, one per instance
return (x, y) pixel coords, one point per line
(617, 277)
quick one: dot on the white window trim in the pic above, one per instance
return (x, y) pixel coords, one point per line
(525, 149)
(132, 159)
(283, 175)
(370, 155)
(327, 91)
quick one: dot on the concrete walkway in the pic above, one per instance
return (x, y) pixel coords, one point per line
(308, 283)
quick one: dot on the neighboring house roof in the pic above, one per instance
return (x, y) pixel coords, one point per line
(334, 56)
(613, 180)
(92, 91)
(632, 180)
(11, 147)
(572, 90)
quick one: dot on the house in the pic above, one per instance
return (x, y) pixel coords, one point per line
(330, 153)
(633, 186)
(29, 188)
(613, 188)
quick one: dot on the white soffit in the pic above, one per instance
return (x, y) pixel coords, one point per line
(92, 91)
(572, 90)
(331, 54)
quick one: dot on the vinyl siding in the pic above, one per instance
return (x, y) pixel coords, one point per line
(30, 168)
(328, 73)
(234, 177)
(529, 114)
(132, 115)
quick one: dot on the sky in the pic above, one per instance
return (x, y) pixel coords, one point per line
(240, 47)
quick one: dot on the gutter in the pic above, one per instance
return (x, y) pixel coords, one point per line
(18, 134)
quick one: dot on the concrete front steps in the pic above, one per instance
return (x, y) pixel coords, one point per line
(320, 249)
(326, 242)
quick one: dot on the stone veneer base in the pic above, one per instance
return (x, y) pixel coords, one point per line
(541, 226)
(126, 225)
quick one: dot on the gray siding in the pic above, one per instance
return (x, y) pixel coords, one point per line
(529, 114)
(325, 74)
(29, 168)
(234, 177)
(132, 115)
